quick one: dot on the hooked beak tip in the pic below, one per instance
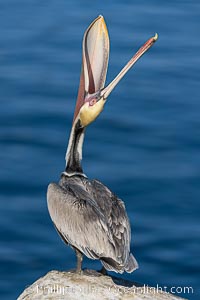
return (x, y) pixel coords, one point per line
(155, 37)
(106, 91)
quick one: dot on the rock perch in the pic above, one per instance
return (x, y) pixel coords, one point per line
(90, 285)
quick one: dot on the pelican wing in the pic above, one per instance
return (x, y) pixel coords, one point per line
(79, 220)
(94, 221)
(114, 211)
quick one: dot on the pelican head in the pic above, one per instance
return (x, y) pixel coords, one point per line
(92, 94)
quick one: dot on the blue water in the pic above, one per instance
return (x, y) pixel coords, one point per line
(145, 145)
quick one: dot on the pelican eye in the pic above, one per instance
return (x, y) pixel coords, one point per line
(93, 101)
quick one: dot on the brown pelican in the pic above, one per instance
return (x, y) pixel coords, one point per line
(86, 214)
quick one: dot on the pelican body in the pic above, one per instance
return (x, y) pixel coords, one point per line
(86, 214)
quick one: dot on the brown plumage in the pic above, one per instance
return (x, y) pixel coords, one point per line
(93, 220)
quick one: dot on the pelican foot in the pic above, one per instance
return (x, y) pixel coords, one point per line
(93, 273)
(103, 271)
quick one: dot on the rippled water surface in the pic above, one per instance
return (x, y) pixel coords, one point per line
(145, 145)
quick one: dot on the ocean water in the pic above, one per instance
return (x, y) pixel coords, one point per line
(145, 146)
